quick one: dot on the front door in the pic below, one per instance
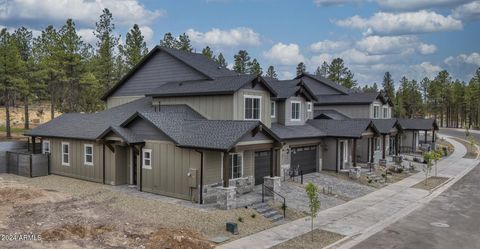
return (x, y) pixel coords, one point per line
(342, 153)
(262, 165)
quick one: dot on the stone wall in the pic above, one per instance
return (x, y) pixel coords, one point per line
(284, 159)
(210, 192)
(243, 185)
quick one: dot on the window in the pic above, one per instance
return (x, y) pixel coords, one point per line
(88, 154)
(252, 107)
(272, 109)
(309, 106)
(147, 159)
(237, 165)
(376, 111)
(295, 115)
(46, 147)
(65, 154)
(385, 112)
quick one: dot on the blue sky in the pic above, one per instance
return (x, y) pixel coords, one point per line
(415, 38)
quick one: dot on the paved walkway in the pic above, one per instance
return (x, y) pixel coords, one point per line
(362, 217)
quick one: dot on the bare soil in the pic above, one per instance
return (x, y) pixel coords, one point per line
(321, 238)
(431, 183)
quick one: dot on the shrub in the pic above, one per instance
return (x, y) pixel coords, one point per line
(240, 219)
(253, 216)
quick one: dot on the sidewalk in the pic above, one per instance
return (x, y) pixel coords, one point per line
(366, 215)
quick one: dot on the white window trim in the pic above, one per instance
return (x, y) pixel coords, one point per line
(63, 154)
(385, 112)
(231, 165)
(44, 142)
(85, 154)
(378, 113)
(299, 110)
(273, 105)
(143, 158)
(245, 97)
(309, 106)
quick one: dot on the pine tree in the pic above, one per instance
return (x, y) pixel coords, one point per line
(255, 68)
(271, 72)
(184, 43)
(323, 70)
(339, 73)
(242, 60)
(106, 42)
(373, 88)
(389, 86)
(12, 69)
(207, 52)
(301, 68)
(135, 47)
(220, 60)
(169, 41)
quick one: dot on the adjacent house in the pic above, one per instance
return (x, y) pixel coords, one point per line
(179, 125)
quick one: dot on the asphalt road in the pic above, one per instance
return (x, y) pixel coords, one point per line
(460, 134)
(450, 221)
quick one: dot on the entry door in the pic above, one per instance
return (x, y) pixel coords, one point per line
(262, 165)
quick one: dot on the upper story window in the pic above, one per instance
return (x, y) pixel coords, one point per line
(88, 154)
(237, 165)
(385, 112)
(46, 147)
(376, 111)
(295, 114)
(147, 158)
(65, 154)
(252, 107)
(309, 106)
(273, 109)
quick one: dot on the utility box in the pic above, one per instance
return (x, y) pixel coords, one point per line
(232, 227)
(192, 178)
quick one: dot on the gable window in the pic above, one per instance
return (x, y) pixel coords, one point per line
(65, 154)
(272, 109)
(385, 112)
(236, 160)
(295, 114)
(309, 106)
(88, 154)
(376, 111)
(46, 147)
(252, 107)
(147, 159)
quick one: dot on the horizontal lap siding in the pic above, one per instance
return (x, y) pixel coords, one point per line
(352, 111)
(77, 168)
(239, 105)
(212, 107)
(170, 165)
(212, 171)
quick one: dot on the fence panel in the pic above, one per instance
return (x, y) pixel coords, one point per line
(12, 161)
(24, 165)
(3, 162)
(40, 165)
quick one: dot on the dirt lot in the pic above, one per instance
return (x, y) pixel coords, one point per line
(70, 213)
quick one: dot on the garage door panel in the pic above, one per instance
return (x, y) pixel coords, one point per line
(305, 158)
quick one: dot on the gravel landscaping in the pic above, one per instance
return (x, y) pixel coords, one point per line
(342, 187)
(431, 183)
(321, 238)
(207, 222)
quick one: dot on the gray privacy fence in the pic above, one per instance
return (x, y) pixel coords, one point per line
(26, 164)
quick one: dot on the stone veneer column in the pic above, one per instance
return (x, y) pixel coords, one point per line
(272, 183)
(227, 198)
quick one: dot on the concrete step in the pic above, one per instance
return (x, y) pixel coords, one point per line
(276, 218)
(259, 205)
(270, 213)
(263, 210)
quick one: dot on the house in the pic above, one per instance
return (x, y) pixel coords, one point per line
(179, 125)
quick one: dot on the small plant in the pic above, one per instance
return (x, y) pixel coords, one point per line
(253, 216)
(314, 202)
(240, 219)
(436, 155)
(427, 168)
(369, 180)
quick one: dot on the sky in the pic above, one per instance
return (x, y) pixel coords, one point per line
(412, 38)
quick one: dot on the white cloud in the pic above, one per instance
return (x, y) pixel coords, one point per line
(469, 11)
(328, 46)
(418, 4)
(147, 33)
(325, 3)
(355, 56)
(383, 23)
(394, 45)
(125, 12)
(285, 54)
(426, 69)
(241, 36)
(319, 59)
(87, 36)
(472, 59)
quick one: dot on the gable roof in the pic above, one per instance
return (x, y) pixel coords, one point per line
(349, 99)
(351, 128)
(329, 114)
(217, 86)
(305, 131)
(288, 88)
(384, 126)
(199, 62)
(418, 124)
(325, 81)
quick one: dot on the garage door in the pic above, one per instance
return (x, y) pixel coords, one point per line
(262, 166)
(305, 157)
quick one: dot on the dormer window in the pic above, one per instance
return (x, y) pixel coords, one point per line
(385, 112)
(252, 107)
(309, 106)
(273, 109)
(295, 113)
(376, 111)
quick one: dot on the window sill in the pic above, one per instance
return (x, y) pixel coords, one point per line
(88, 164)
(146, 167)
(64, 164)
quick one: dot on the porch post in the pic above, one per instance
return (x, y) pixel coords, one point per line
(433, 135)
(272, 162)
(397, 144)
(336, 156)
(354, 152)
(226, 173)
(413, 141)
(33, 145)
(368, 149)
(384, 146)
(425, 136)
(372, 149)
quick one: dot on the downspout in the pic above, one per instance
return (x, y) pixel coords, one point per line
(141, 167)
(201, 177)
(336, 156)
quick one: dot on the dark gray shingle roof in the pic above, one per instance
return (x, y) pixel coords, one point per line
(296, 131)
(325, 81)
(418, 124)
(352, 98)
(289, 88)
(384, 126)
(341, 128)
(329, 114)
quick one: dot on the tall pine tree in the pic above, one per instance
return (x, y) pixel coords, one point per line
(135, 47)
(339, 73)
(242, 60)
(301, 68)
(207, 52)
(271, 72)
(220, 60)
(106, 43)
(255, 68)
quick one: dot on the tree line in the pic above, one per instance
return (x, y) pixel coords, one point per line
(59, 66)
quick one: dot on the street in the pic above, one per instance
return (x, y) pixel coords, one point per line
(459, 133)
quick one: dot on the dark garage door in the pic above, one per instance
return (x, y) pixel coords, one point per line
(262, 165)
(305, 157)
